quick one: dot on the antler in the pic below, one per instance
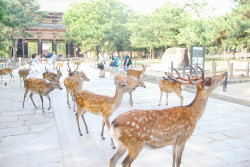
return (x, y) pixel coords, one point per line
(70, 72)
(49, 74)
(192, 81)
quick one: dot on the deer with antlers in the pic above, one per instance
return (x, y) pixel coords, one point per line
(23, 73)
(133, 83)
(159, 128)
(41, 87)
(48, 75)
(167, 86)
(100, 105)
(6, 71)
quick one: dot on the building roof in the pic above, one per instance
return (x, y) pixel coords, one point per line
(55, 5)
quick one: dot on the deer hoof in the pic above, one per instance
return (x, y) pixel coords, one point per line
(103, 138)
(113, 147)
(49, 109)
(80, 134)
(159, 104)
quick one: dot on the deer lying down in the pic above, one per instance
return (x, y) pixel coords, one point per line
(167, 86)
(132, 82)
(159, 128)
(100, 105)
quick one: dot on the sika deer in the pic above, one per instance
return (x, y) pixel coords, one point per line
(5, 72)
(23, 73)
(48, 75)
(158, 128)
(100, 105)
(167, 86)
(74, 84)
(137, 73)
(132, 82)
(41, 87)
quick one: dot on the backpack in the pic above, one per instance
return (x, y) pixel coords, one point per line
(129, 62)
(116, 61)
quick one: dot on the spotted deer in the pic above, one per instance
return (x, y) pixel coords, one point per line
(167, 86)
(41, 87)
(137, 73)
(159, 128)
(48, 75)
(132, 82)
(74, 84)
(100, 105)
(23, 73)
(6, 71)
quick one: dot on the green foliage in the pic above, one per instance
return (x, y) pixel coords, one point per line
(98, 24)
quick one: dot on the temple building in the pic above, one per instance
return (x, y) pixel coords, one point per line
(48, 36)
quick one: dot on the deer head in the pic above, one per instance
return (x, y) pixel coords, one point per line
(55, 81)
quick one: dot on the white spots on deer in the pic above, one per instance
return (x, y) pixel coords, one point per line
(128, 123)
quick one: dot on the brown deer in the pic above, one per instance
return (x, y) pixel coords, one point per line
(74, 84)
(41, 87)
(133, 83)
(159, 128)
(167, 86)
(100, 105)
(6, 71)
(23, 73)
(48, 75)
(137, 73)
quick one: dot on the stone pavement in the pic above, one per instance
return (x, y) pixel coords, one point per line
(29, 137)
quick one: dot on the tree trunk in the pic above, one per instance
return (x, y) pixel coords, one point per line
(15, 47)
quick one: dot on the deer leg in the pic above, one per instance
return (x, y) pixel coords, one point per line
(130, 98)
(41, 97)
(174, 154)
(86, 127)
(26, 91)
(68, 97)
(166, 98)
(179, 152)
(78, 113)
(178, 92)
(31, 97)
(21, 82)
(136, 149)
(118, 154)
(103, 123)
(160, 99)
(49, 102)
(106, 121)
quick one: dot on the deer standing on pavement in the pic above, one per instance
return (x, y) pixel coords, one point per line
(100, 105)
(48, 75)
(159, 128)
(41, 87)
(133, 83)
(6, 71)
(74, 84)
(23, 73)
(167, 86)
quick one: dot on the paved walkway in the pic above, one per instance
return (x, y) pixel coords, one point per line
(29, 137)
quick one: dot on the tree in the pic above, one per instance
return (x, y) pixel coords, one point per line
(97, 24)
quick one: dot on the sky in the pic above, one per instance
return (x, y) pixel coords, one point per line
(147, 6)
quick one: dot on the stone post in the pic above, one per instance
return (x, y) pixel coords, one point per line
(231, 70)
(214, 69)
(183, 69)
(247, 70)
(172, 66)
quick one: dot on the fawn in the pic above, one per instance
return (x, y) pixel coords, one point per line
(23, 73)
(5, 72)
(167, 86)
(132, 82)
(137, 73)
(100, 104)
(41, 87)
(48, 75)
(159, 128)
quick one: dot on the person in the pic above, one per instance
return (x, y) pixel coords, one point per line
(54, 57)
(127, 61)
(116, 59)
(101, 64)
(112, 64)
